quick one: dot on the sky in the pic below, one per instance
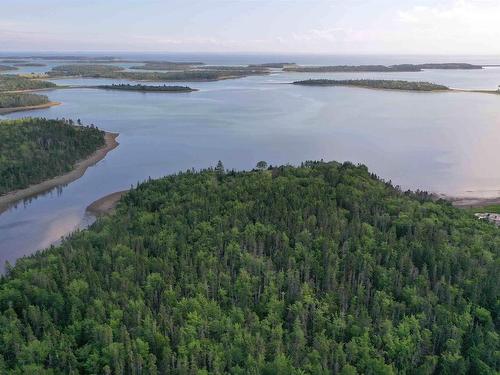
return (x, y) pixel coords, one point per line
(279, 26)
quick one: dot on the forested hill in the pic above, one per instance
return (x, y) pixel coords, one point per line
(322, 269)
(36, 149)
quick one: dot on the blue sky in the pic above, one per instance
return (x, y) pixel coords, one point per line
(314, 26)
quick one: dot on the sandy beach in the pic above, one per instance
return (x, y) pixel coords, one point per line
(27, 108)
(106, 204)
(78, 171)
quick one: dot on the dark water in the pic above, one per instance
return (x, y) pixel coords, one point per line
(443, 142)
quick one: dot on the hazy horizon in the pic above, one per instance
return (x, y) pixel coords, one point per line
(392, 27)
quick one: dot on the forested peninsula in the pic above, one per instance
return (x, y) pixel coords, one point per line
(375, 84)
(319, 269)
(17, 83)
(23, 101)
(147, 88)
(37, 149)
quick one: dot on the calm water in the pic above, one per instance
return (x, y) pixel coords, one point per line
(442, 142)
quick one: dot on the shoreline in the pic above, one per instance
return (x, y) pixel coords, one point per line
(471, 202)
(4, 111)
(105, 205)
(10, 199)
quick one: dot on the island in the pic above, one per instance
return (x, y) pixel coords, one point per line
(147, 88)
(13, 61)
(448, 66)
(322, 268)
(30, 64)
(117, 72)
(14, 102)
(15, 83)
(5, 68)
(375, 84)
(55, 152)
(166, 65)
(379, 68)
(278, 65)
(84, 70)
(352, 68)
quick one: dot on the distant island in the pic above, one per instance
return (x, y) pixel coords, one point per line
(445, 66)
(165, 65)
(375, 84)
(271, 65)
(379, 68)
(147, 88)
(12, 61)
(352, 68)
(9, 82)
(29, 64)
(5, 68)
(117, 72)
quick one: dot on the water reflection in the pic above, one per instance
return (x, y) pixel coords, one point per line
(444, 142)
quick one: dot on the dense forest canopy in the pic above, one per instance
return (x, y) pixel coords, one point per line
(375, 84)
(36, 149)
(146, 88)
(13, 82)
(22, 100)
(322, 269)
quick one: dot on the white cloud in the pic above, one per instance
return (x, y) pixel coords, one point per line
(457, 26)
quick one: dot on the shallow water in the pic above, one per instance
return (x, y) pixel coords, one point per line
(442, 142)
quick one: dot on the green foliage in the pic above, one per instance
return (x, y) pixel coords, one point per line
(12, 82)
(375, 84)
(84, 70)
(35, 149)
(146, 88)
(314, 270)
(116, 72)
(21, 100)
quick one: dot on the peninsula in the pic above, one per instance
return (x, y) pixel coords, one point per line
(14, 102)
(57, 153)
(11, 83)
